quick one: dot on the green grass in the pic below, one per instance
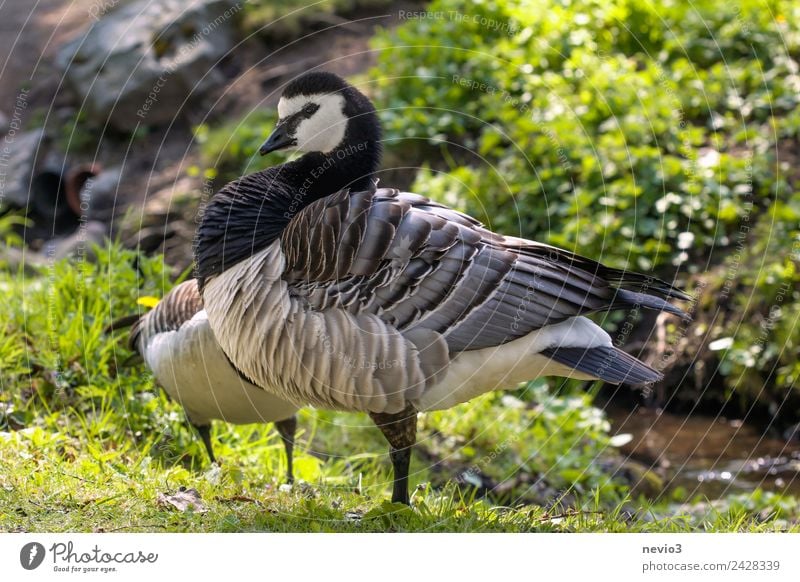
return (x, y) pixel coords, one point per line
(52, 482)
(88, 442)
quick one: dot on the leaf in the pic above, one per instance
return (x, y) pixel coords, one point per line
(184, 500)
(307, 468)
(721, 344)
(619, 440)
(148, 301)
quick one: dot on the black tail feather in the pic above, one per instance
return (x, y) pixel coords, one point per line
(645, 283)
(606, 363)
(628, 299)
(617, 277)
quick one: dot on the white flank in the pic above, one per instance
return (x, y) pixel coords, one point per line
(476, 372)
(192, 368)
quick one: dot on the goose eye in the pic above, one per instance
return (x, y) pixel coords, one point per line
(310, 109)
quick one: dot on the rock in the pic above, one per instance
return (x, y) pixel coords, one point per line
(792, 433)
(79, 244)
(98, 197)
(166, 223)
(20, 158)
(641, 479)
(47, 208)
(141, 60)
(12, 258)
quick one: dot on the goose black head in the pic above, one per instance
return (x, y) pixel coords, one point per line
(321, 113)
(338, 130)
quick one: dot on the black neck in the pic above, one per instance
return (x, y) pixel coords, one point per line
(350, 166)
(250, 213)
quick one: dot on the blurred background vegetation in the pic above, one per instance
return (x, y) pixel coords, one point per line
(659, 137)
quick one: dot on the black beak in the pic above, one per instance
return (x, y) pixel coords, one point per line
(278, 139)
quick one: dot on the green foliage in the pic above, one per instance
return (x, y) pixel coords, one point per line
(55, 356)
(761, 335)
(9, 221)
(231, 149)
(625, 130)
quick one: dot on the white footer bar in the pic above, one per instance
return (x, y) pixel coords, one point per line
(401, 557)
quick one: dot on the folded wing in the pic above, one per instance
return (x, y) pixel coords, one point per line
(418, 265)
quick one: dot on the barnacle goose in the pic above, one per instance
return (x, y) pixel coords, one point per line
(177, 344)
(327, 290)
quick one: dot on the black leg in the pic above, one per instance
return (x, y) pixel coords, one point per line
(287, 429)
(400, 430)
(205, 434)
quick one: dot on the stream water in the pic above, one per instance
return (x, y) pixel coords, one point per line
(707, 456)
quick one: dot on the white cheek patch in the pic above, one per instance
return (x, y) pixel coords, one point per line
(325, 129)
(292, 105)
